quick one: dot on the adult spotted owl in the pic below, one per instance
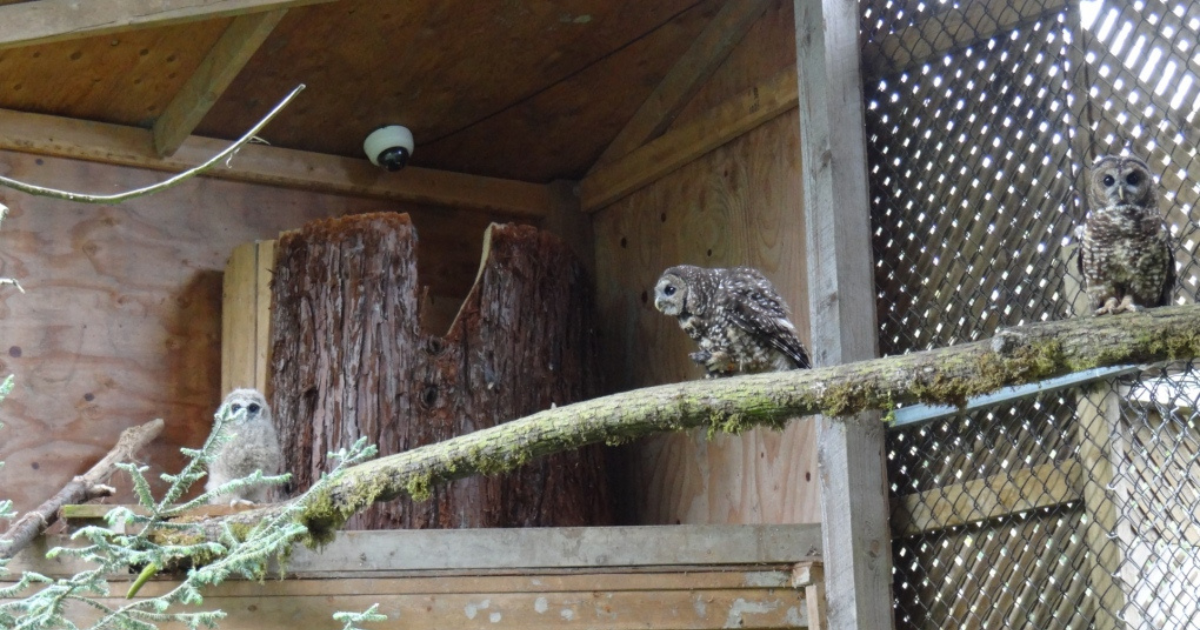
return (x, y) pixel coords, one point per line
(1125, 257)
(253, 446)
(737, 318)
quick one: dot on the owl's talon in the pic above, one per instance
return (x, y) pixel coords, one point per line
(1128, 305)
(241, 504)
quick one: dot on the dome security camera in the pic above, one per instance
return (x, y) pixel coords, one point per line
(389, 146)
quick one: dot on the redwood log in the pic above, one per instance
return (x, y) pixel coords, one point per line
(349, 359)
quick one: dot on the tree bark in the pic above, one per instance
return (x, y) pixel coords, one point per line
(349, 359)
(85, 487)
(947, 375)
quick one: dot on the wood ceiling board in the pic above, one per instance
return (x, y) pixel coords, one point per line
(705, 54)
(559, 133)
(767, 49)
(125, 79)
(434, 66)
(611, 181)
(130, 146)
(47, 21)
(228, 56)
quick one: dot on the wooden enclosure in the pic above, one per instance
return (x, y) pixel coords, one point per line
(643, 134)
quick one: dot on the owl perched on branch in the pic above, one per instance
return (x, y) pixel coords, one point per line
(1126, 257)
(254, 446)
(740, 322)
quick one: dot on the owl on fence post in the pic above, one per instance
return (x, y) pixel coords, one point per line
(254, 446)
(1125, 258)
(736, 316)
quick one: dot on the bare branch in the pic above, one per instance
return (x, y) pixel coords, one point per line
(163, 185)
(82, 488)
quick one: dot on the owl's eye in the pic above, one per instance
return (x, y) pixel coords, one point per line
(669, 290)
(1109, 180)
(235, 408)
(253, 407)
(1133, 179)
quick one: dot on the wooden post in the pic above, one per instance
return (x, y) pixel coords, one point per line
(842, 309)
(1099, 416)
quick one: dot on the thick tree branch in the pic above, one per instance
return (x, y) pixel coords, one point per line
(83, 488)
(948, 375)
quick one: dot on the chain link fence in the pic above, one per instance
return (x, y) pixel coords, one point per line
(1076, 506)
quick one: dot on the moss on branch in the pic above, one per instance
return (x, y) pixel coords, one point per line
(945, 376)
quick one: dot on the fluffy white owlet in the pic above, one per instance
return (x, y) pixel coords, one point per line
(1125, 256)
(255, 446)
(735, 315)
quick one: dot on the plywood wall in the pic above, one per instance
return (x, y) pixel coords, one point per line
(739, 205)
(122, 316)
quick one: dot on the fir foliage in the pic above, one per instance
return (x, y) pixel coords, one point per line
(51, 603)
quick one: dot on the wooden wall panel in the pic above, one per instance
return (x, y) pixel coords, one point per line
(121, 322)
(767, 49)
(739, 205)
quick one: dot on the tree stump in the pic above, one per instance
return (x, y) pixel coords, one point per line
(349, 359)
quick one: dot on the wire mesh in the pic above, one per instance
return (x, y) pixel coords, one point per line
(1073, 509)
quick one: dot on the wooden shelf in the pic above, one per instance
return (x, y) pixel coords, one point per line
(690, 576)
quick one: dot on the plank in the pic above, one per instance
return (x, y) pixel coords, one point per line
(262, 304)
(129, 146)
(992, 497)
(246, 316)
(737, 205)
(942, 31)
(1097, 436)
(238, 318)
(285, 605)
(811, 576)
(401, 551)
(611, 181)
(683, 81)
(228, 56)
(47, 21)
(854, 509)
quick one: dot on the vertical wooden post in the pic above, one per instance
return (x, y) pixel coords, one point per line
(842, 309)
(1099, 417)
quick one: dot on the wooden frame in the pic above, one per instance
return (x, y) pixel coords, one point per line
(46, 21)
(130, 146)
(687, 76)
(228, 56)
(854, 503)
(695, 577)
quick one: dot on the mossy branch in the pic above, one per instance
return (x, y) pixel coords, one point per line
(948, 375)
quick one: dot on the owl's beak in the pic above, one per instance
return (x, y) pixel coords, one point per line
(1121, 193)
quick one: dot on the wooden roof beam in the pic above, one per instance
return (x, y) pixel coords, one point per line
(611, 182)
(226, 59)
(131, 146)
(45, 21)
(683, 81)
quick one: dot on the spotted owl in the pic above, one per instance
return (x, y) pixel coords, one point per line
(254, 446)
(735, 315)
(1125, 257)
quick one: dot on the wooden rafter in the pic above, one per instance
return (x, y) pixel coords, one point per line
(131, 146)
(610, 182)
(683, 81)
(226, 59)
(45, 21)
